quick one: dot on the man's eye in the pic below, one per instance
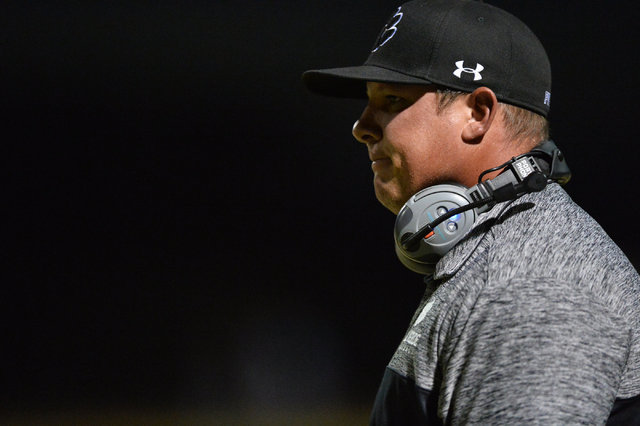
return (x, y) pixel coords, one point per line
(393, 99)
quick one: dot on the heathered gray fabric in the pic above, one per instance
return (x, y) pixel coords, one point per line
(532, 319)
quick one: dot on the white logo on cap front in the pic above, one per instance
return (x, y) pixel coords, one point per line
(389, 30)
(461, 68)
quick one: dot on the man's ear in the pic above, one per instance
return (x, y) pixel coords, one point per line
(483, 106)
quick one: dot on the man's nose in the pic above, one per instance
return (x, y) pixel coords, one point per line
(365, 129)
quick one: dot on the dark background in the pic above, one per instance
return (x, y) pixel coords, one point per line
(188, 229)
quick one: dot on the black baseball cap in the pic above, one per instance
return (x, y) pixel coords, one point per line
(458, 44)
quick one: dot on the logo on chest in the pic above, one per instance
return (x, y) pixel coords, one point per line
(413, 335)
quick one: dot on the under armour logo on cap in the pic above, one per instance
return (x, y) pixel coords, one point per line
(461, 68)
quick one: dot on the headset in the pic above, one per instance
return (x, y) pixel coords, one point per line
(435, 219)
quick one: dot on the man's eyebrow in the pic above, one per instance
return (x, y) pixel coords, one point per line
(380, 87)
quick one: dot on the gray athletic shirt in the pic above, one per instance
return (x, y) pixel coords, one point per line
(534, 318)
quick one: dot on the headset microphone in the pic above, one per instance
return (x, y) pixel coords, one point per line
(420, 240)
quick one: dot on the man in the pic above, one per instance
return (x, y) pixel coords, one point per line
(533, 315)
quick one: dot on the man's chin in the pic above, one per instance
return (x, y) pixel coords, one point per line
(389, 199)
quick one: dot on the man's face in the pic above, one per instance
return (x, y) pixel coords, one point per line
(411, 145)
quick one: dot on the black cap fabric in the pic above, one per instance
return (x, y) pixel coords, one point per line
(459, 44)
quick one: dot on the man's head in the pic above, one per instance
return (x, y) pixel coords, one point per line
(415, 140)
(448, 82)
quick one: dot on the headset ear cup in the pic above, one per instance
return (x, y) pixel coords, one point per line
(424, 207)
(421, 266)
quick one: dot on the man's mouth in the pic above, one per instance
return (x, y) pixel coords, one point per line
(379, 163)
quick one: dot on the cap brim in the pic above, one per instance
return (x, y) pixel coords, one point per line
(350, 82)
